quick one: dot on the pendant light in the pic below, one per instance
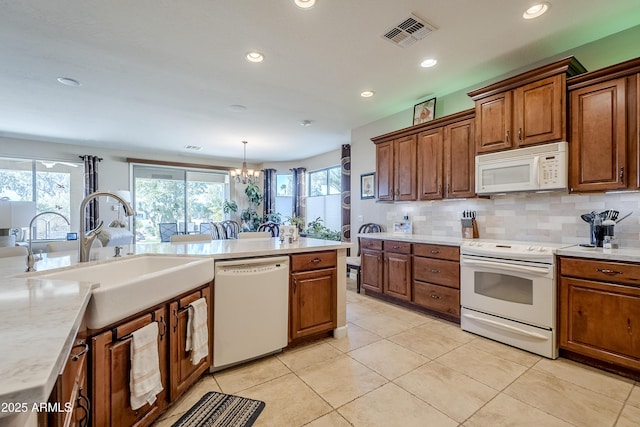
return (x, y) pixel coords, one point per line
(244, 175)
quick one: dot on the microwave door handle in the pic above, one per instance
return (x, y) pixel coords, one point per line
(505, 266)
(536, 171)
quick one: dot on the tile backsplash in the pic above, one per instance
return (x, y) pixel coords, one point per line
(546, 217)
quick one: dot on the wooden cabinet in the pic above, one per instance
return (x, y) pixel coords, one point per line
(397, 270)
(183, 373)
(396, 169)
(446, 157)
(70, 394)
(371, 263)
(524, 110)
(313, 294)
(599, 305)
(436, 278)
(459, 159)
(604, 129)
(111, 366)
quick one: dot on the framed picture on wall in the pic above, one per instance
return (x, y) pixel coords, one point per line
(368, 185)
(424, 111)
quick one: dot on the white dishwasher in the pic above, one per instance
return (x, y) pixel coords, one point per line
(251, 309)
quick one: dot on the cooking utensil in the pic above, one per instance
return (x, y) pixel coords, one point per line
(587, 217)
(626, 216)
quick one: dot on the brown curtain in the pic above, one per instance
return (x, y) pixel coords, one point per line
(346, 192)
(269, 200)
(91, 186)
(299, 192)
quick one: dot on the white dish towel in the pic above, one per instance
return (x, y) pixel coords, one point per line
(197, 332)
(145, 382)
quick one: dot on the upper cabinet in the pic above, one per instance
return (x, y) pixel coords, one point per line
(527, 109)
(604, 114)
(431, 161)
(396, 169)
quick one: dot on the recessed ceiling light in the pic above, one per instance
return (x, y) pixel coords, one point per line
(193, 147)
(305, 123)
(367, 93)
(304, 4)
(536, 10)
(255, 56)
(67, 81)
(236, 108)
(427, 63)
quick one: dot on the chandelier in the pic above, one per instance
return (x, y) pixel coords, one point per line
(244, 175)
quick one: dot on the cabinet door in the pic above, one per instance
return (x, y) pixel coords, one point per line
(183, 372)
(397, 275)
(371, 267)
(384, 171)
(493, 123)
(540, 111)
(600, 320)
(405, 168)
(430, 163)
(111, 367)
(313, 302)
(459, 148)
(598, 137)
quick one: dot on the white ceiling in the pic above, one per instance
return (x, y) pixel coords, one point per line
(157, 75)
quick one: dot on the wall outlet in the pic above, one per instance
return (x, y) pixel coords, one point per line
(360, 218)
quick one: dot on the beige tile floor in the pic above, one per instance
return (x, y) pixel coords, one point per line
(400, 368)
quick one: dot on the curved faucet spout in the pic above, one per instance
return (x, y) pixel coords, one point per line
(30, 258)
(86, 239)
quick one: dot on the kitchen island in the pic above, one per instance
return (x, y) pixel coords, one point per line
(45, 315)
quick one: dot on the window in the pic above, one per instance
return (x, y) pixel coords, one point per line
(186, 197)
(284, 194)
(53, 185)
(325, 188)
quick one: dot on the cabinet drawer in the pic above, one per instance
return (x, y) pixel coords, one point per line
(601, 270)
(438, 298)
(437, 271)
(397, 247)
(313, 261)
(372, 244)
(451, 253)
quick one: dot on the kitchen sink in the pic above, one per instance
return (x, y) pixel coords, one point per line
(129, 285)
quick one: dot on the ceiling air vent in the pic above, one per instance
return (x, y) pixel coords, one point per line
(409, 31)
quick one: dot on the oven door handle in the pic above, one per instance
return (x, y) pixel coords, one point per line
(504, 327)
(506, 266)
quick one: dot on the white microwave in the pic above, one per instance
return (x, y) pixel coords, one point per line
(537, 168)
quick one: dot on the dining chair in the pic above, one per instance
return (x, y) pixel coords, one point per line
(221, 230)
(205, 228)
(167, 229)
(186, 238)
(353, 262)
(232, 228)
(271, 227)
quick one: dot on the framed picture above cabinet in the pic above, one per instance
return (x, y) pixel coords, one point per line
(367, 185)
(424, 111)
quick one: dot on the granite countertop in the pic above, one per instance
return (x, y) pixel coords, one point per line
(415, 238)
(621, 254)
(42, 317)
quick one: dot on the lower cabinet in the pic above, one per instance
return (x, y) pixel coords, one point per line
(111, 363)
(599, 305)
(111, 357)
(70, 393)
(313, 294)
(424, 275)
(183, 372)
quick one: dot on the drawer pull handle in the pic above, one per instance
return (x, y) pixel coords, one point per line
(76, 357)
(396, 247)
(316, 260)
(435, 296)
(435, 270)
(435, 251)
(607, 271)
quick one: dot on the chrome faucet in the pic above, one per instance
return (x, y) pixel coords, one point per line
(30, 259)
(86, 239)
